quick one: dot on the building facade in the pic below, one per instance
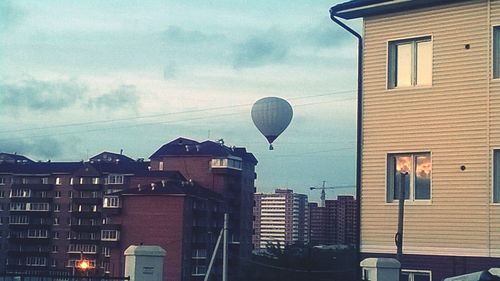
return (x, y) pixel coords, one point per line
(53, 214)
(430, 108)
(280, 218)
(335, 223)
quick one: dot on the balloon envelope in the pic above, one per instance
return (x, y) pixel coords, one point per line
(271, 116)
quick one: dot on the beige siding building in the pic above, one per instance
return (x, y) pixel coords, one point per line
(431, 107)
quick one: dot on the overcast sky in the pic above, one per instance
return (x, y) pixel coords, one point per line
(81, 77)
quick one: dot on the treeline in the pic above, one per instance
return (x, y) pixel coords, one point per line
(301, 263)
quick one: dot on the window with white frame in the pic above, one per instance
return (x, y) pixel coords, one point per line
(20, 193)
(106, 251)
(415, 275)
(58, 181)
(95, 180)
(14, 219)
(496, 176)
(417, 181)
(111, 202)
(3, 181)
(410, 62)
(114, 179)
(58, 194)
(36, 261)
(56, 221)
(45, 180)
(110, 235)
(496, 52)
(2, 193)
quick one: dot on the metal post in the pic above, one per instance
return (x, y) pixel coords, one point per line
(399, 234)
(214, 254)
(224, 252)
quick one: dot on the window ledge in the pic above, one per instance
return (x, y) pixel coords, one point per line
(412, 202)
(407, 88)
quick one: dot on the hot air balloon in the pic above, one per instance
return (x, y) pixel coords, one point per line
(271, 116)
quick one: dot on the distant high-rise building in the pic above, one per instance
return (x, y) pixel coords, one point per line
(335, 223)
(280, 218)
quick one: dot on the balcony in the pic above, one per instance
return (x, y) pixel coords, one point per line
(86, 214)
(86, 201)
(87, 187)
(32, 199)
(33, 186)
(29, 240)
(85, 227)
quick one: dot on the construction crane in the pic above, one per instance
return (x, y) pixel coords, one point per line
(323, 187)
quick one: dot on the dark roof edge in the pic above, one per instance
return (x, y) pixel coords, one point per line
(365, 8)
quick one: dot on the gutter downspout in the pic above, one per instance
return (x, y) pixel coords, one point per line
(359, 133)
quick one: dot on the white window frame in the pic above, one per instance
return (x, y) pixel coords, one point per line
(392, 64)
(111, 202)
(411, 272)
(3, 180)
(494, 178)
(495, 56)
(110, 235)
(95, 180)
(58, 181)
(411, 197)
(115, 179)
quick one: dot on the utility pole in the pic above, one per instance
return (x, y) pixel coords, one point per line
(224, 252)
(223, 235)
(399, 235)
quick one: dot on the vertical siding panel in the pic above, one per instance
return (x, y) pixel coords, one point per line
(449, 119)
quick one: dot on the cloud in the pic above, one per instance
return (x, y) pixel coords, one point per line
(176, 34)
(9, 14)
(260, 50)
(170, 71)
(44, 148)
(125, 96)
(40, 95)
(325, 36)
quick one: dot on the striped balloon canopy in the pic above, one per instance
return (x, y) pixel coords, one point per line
(271, 115)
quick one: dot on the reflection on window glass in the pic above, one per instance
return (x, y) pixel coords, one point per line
(417, 179)
(423, 177)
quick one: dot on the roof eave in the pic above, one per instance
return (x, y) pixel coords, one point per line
(384, 7)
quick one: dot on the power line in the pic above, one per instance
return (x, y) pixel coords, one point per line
(150, 123)
(163, 114)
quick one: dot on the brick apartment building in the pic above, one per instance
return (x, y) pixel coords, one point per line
(52, 213)
(280, 218)
(335, 223)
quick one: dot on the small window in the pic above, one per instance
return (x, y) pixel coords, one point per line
(160, 166)
(45, 180)
(58, 181)
(410, 275)
(496, 52)
(56, 221)
(81, 181)
(57, 208)
(58, 194)
(496, 176)
(110, 235)
(410, 62)
(71, 181)
(2, 181)
(95, 180)
(417, 182)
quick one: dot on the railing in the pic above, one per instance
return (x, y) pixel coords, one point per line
(59, 277)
